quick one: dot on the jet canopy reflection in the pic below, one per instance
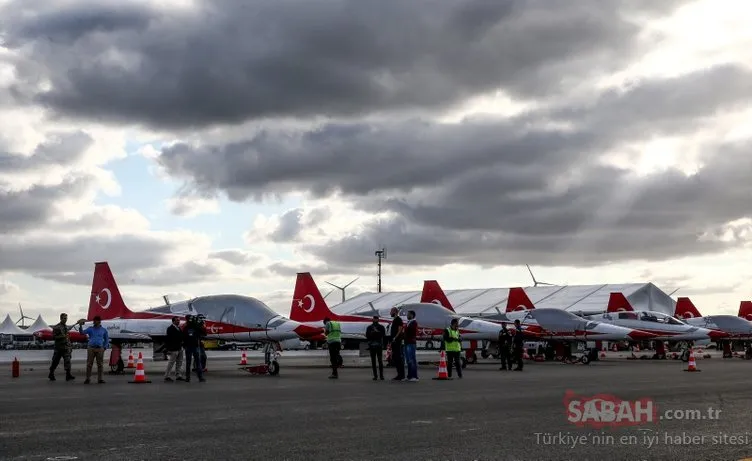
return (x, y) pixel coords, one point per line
(229, 309)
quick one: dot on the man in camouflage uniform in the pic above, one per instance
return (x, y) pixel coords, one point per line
(63, 348)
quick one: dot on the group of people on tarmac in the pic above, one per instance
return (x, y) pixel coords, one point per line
(188, 339)
(402, 341)
(98, 342)
(511, 346)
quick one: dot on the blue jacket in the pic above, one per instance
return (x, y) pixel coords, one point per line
(98, 337)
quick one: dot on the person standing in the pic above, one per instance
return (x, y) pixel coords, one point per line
(376, 334)
(63, 347)
(99, 341)
(333, 344)
(411, 343)
(174, 348)
(505, 342)
(453, 347)
(191, 338)
(519, 344)
(396, 333)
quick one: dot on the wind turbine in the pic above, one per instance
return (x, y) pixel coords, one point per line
(535, 282)
(23, 323)
(342, 289)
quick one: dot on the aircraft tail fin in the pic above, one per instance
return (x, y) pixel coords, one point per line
(307, 303)
(745, 310)
(432, 293)
(106, 301)
(617, 302)
(685, 308)
(518, 300)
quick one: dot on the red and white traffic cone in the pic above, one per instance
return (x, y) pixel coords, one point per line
(130, 359)
(140, 376)
(243, 359)
(442, 374)
(692, 366)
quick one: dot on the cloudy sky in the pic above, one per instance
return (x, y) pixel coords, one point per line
(221, 146)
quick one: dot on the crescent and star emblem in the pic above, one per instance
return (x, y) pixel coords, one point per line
(301, 303)
(98, 298)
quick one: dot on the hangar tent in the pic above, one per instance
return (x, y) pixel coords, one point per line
(39, 324)
(485, 301)
(10, 328)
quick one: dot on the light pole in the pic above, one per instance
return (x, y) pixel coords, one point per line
(381, 254)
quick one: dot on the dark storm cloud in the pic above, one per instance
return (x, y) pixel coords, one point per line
(232, 61)
(27, 209)
(135, 259)
(62, 150)
(359, 158)
(399, 156)
(289, 226)
(607, 216)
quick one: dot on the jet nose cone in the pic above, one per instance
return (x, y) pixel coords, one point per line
(306, 332)
(639, 335)
(715, 334)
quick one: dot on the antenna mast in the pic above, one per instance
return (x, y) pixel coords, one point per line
(380, 254)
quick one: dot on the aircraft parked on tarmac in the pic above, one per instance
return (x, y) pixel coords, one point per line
(663, 326)
(542, 324)
(735, 327)
(309, 308)
(228, 317)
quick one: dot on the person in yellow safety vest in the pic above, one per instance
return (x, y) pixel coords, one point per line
(453, 347)
(334, 344)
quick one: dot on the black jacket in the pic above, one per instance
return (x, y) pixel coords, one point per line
(174, 339)
(192, 334)
(505, 338)
(519, 338)
(396, 336)
(376, 334)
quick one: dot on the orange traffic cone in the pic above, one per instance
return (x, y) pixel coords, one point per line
(130, 359)
(140, 376)
(442, 374)
(243, 359)
(692, 366)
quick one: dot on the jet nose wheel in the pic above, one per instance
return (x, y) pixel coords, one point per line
(274, 368)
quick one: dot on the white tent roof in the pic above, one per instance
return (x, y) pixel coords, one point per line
(39, 324)
(573, 298)
(8, 327)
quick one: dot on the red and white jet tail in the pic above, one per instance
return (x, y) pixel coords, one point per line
(617, 302)
(518, 300)
(745, 310)
(307, 303)
(432, 293)
(685, 309)
(105, 300)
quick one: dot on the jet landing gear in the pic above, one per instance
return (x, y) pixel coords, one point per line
(117, 366)
(270, 365)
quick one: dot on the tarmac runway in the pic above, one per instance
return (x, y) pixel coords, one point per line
(302, 415)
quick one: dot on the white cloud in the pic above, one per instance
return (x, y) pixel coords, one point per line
(189, 207)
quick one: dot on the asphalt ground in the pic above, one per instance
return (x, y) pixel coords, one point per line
(302, 415)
